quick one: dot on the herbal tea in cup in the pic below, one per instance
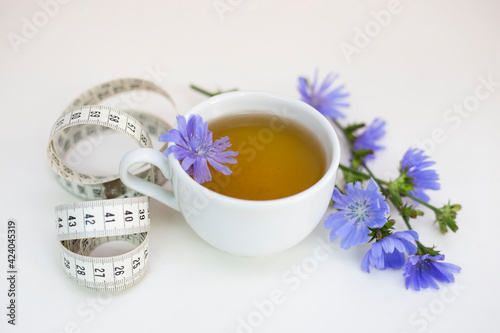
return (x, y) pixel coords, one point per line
(281, 184)
(277, 157)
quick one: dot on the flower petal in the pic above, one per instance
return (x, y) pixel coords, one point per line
(335, 220)
(219, 167)
(365, 262)
(395, 260)
(322, 97)
(188, 161)
(201, 173)
(387, 244)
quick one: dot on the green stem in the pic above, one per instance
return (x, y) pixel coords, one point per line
(379, 182)
(203, 91)
(421, 248)
(414, 198)
(383, 182)
(359, 173)
(351, 146)
(209, 94)
(368, 170)
(398, 207)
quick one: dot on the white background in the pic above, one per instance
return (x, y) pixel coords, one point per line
(428, 57)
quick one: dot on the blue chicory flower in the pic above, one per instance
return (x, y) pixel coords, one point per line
(424, 271)
(358, 210)
(322, 97)
(389, 252)
(368, 139)
(195, 149)
(414, 164)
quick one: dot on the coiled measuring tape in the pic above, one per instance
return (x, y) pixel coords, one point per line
(115, 212)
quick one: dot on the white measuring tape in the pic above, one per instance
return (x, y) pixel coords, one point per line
(82, 227)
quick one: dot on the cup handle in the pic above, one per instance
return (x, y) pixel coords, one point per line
(156, 158)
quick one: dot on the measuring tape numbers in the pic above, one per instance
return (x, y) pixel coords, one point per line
(84, 226)
(114, 212)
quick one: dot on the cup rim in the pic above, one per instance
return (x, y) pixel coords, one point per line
(329, 173)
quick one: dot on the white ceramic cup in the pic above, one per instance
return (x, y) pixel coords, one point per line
(236, 226)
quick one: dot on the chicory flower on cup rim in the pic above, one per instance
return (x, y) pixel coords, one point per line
(195, 149)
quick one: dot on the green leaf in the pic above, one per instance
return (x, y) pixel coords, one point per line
(351, 129)
(380, 233)
(350, 177)
(410, 212)
(421, 250)
(358, 155)
(446, 216)
(393, 189)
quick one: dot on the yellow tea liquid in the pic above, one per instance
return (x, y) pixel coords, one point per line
(277, 157)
